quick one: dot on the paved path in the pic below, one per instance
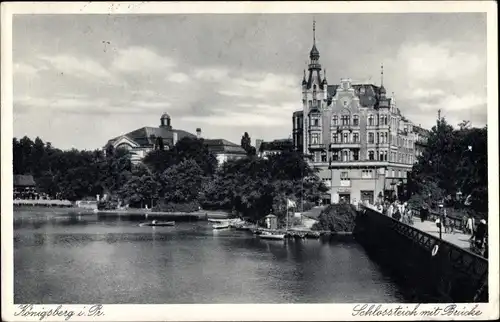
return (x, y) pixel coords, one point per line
(458, 238)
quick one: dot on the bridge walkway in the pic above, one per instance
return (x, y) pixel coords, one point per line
(457, 238)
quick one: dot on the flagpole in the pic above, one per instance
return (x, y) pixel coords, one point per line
(286, 214)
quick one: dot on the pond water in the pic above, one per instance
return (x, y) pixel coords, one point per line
(69, 258)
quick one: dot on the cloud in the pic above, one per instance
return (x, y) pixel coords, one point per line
(27, 69)
(455, 103)
(438, 62)
(79, 104)
(81, 67)
(142, 60)
(211, 74)
(446, 76)
(178, 78)
(261, 86)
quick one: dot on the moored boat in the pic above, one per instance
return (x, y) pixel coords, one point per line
(220, 226)
(266, 235)
(158, 223)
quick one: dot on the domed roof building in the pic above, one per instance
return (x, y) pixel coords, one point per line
(141, 141)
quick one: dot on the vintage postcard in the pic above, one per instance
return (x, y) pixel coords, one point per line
(249, 161)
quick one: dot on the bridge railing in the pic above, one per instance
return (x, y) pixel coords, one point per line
(462, 260)
(426, 240)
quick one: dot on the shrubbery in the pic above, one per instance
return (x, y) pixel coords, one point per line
(337, 218)
(177, 207)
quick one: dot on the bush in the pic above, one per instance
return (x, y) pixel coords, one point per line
(337, 218)
(177, 207)
(107, 205)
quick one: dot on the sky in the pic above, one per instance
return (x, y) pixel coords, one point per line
(80, 80)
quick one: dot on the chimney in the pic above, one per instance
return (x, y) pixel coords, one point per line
(198, 133)
(174, 138)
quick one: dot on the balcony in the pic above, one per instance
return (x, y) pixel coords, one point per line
(316, 147)
(345, 145)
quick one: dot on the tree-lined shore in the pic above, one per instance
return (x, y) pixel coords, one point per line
(187, 177)
(181, 179)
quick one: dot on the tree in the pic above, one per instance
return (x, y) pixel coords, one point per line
(455, 160)
(182, 182)
(255, 187)
(246, 144)
(142, 187)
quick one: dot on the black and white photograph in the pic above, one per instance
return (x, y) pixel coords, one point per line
(256, 153)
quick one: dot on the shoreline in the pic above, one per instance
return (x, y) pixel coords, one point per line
(124, 212)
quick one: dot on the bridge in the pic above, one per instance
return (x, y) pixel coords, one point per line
(434, 269)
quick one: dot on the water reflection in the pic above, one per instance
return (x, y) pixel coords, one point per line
(67, 258)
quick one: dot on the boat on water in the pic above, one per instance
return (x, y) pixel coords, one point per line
(220, 226)
(158, 223)
(267, 235)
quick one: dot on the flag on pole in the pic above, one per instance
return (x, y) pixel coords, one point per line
(290, 203)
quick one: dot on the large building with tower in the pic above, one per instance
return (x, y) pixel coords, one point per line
(145, 139)
(355, 135)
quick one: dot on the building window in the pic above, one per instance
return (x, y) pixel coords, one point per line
(323, 157)
(317, 156)
(378, 137)
(370, 120)
(381, 155)
(371, 155)
(310, 104)
(315, 138)
(371, 139)
(335, 155)
(345, 138)
(345, 156)
(335, 138)
(345, 119)
(355, 120)
(366, 174)
(344, 175)
(335, 120)
(315, 122)
(355, 155)
(385, 155)
(355, 137)
(385, 119)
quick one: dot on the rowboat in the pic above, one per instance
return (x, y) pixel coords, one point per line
(267, 235)
(158, 223)
(220, 226)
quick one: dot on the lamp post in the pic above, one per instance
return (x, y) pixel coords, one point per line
(441, 217)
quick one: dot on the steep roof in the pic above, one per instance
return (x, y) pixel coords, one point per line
(277, 145)
(224, 146)
(24, 180)
(369, 94)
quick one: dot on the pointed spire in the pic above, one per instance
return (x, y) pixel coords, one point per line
(314, 54)
(314, 31)
(382, 75)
